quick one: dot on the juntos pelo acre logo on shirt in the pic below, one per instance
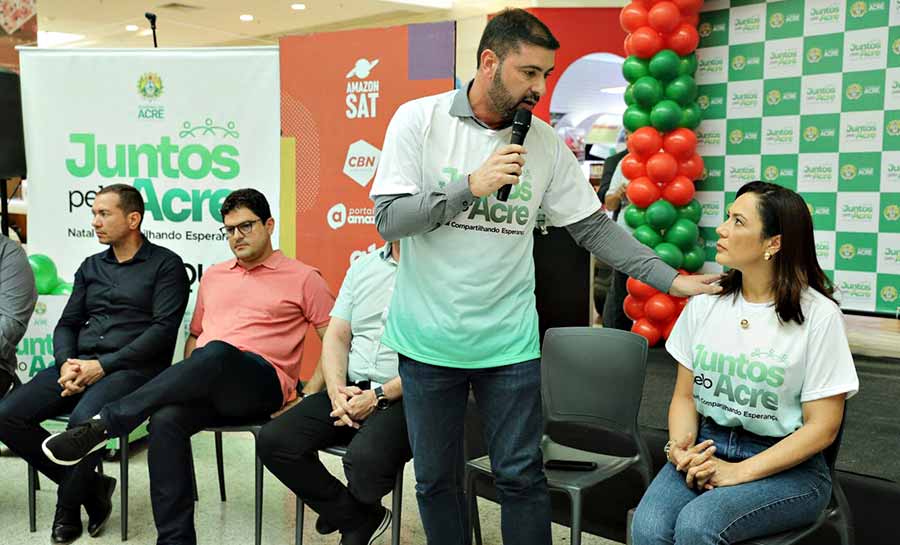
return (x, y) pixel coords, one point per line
(742, 379)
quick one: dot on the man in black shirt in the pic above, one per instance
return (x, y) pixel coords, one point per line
(117, 331)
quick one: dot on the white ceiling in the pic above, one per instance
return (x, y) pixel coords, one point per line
(185, 23)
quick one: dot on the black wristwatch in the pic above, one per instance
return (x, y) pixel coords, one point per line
(382, 402)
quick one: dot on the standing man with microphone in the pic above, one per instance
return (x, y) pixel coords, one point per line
(463, 310)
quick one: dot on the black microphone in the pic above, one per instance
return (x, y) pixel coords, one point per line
(521, 124)
(152, 18)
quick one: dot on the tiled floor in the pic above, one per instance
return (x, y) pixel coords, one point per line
(217, 523)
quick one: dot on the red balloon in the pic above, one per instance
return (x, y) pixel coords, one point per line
(662, 167)
(645, 141)
(664, 17)
(646, 329)
(660, 308)
(642, 192)
(688, 6)
(683, 39)
(639, 290)
(634, 308)
(679, 191)
(646, 42)
(629, 50)
(681, 143)
(668, 329)
(692, 19)
(681, 302)
(692, 168)
(633, 167)
(633, 16)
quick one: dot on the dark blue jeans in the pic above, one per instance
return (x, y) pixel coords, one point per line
(671, 513)
(23, 410)
(509, 401)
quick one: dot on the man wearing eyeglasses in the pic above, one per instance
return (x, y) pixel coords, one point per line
(242, 362)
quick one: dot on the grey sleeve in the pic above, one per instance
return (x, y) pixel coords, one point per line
(17, 298)
(610, 243)
(404, 215)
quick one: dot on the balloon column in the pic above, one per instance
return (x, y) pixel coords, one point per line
(662, 162)
(45, 276)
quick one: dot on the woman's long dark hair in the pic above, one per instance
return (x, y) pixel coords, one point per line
(784, 213)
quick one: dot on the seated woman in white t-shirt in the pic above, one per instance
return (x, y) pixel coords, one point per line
(764, 371)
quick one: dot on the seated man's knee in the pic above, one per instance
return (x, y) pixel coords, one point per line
(276, 439)
(166, 419)
(370, 478)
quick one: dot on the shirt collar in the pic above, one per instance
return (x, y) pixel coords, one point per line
(271, 262)
(461, 107)
(385, 253)
(142, 254)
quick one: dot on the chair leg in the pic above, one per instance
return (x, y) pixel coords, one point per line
(472, 501)
(123, 477)
(298, 529)
(32, 498)
(397, 504)
(37, 480)
(628, 518)
(220, 464)
(259, 498)
(575, 538)
(193, 471)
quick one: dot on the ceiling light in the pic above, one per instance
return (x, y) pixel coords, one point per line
(246, 18)
(131, 28)
(613, 90)
(298, 7)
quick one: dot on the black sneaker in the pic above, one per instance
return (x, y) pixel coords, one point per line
(370, 530)
(69, 447)
(100, 506)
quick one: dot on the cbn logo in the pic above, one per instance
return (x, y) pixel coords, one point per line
(150, 85)
(854, 91)
(705, 29)
(889, 294)
(739, 62)
(847, 251)
(736, 136)
(858, 9)
(893, 127)
(814, 55)
(776, 20)
(892, 212)
(848, 172)
(771, 173)
(773, 97)
(811, 133)
(703, 102)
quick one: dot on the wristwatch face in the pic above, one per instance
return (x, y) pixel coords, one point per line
(383, 403)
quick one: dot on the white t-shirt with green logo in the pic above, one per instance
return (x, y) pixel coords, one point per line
(758, 377)
(464, 295)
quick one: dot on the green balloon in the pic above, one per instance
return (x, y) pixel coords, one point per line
(634, 118)
(664, 65)
(44, 273)
(694, 259)
(682, 90)
(62, 288)
(687, 65)
(647, 236)
(690, 116)
(691, 211)
(647, 91)
(665, 115)
(634, 216)
(661, 215)
(634, 69)
(683, 233)
(670, 253)
(629, 95)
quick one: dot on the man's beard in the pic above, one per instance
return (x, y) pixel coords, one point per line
(504, 103)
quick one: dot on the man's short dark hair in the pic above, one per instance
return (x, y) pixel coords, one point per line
(509, 28)
(130, 199)
(250, 199)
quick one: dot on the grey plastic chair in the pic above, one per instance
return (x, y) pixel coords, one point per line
(836, 513)
(396, 502)
(593, 378)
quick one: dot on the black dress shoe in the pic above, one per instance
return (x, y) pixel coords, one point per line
(100, 507)
(366, 534)
(66, 525)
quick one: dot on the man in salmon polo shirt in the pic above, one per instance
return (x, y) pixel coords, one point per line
(242, 362)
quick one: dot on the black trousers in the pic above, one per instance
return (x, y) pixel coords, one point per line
(23, 410)
(217, 385)
(289, 444)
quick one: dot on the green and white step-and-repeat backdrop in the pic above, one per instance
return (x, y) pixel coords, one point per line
(806, 94)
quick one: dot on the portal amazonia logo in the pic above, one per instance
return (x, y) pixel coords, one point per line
(847, 251)
(848, 172)
(150, 85)
(773, 97)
